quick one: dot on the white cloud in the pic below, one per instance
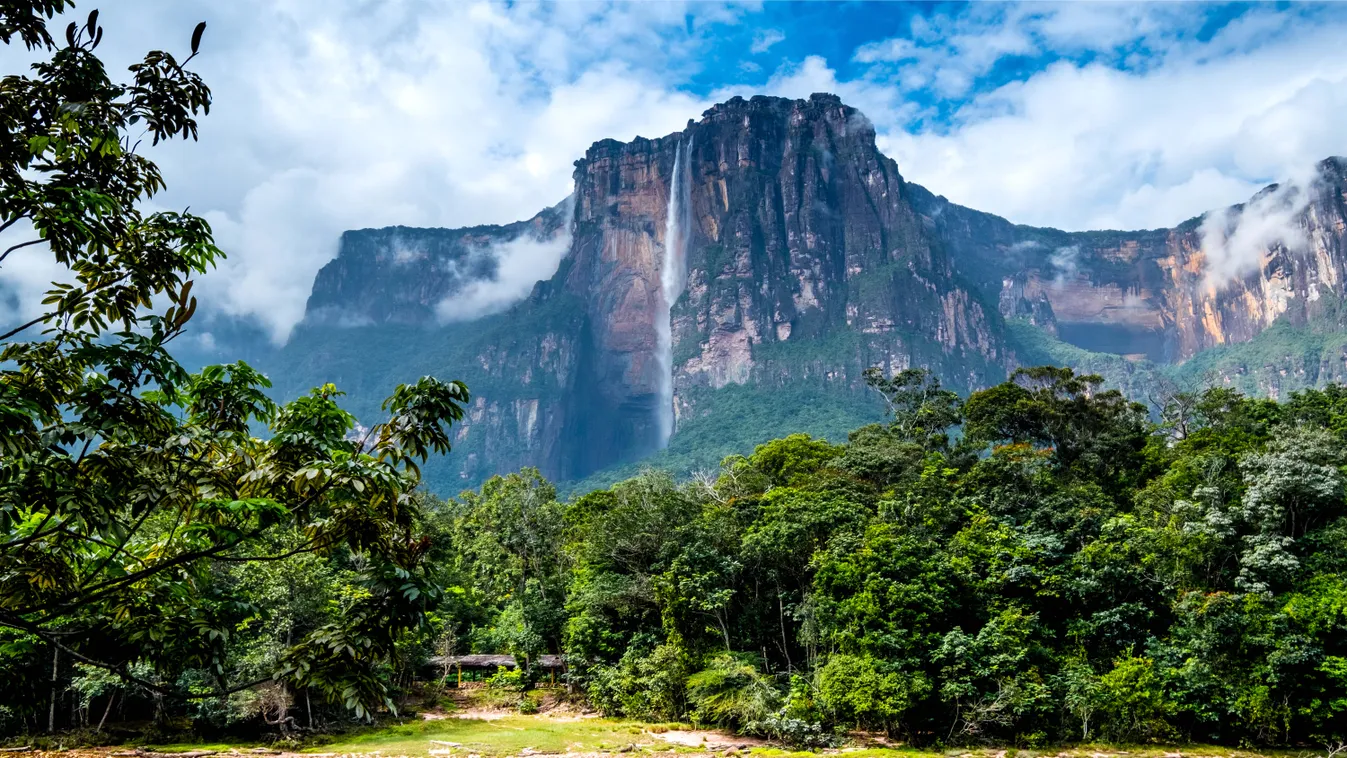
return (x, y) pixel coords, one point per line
(1235, 240)
(1065, 261)
(332, 116)
(1087, 146)
(764, 39)
(521, 263)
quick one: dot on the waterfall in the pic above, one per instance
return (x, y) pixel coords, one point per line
(673, 277)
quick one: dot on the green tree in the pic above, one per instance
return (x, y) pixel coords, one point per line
(126, 483)
(863, 691)
(921, 410)
(509, 540)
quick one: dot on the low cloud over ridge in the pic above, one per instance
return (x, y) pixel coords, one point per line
(330, 117)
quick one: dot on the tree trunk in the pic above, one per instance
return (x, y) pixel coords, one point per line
(106, 711)
(51, 708)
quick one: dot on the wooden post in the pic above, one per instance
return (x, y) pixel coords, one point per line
(460, 676)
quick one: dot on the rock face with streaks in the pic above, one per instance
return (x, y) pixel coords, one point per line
(1165, 294)
(809, 259)
(801, 230)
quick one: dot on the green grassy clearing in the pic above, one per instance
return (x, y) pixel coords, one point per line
(509, 735)
(188, 747)
(1078, 751)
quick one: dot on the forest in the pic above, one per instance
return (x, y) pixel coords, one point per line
(1038, 563)
(1041, 562)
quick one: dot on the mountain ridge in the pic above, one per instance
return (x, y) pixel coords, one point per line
(809, 258)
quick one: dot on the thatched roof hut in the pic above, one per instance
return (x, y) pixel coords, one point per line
(489, 662)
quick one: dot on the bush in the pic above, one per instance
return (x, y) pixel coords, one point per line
(799, 723)
(732, 692)
(508, 680)
(1134, 703)
(862, 691)
(650, 686)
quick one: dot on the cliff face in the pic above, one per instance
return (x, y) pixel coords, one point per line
(808, 259)
(1165, 294)
(800, 230)
(399, 275)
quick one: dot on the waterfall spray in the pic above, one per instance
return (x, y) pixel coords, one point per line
(673, 277)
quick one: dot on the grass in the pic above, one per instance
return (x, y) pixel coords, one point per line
(188, 747)
(509, 735)
(1093, 750)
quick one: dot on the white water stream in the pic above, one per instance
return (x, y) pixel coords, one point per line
(673, 278)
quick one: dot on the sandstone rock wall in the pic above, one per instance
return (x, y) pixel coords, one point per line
(1154, 289)
(810, 259)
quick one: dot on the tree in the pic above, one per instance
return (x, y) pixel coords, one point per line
(921, 410)
(1098, 433)
(124, 481)
(509, 541)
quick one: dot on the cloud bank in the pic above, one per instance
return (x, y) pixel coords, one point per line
(333, 116)
(520, 263)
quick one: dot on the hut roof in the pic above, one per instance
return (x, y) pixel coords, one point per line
(493, 661)
(476, 661)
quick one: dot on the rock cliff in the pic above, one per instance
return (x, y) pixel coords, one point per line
(1165, 294)
(800, 230)
(808, 259)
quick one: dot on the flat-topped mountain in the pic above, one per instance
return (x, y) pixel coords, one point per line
(731, 281)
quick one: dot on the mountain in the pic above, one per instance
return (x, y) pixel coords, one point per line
(730, 282)
(400, 275)
(1159, 293)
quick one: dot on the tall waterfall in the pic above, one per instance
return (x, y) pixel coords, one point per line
(673, 277)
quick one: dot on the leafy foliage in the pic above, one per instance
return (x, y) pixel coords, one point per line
(1037, 563)
(143, 525)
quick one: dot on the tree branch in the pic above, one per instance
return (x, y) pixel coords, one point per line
(18, 329)
(96, 541)
(307, 548)
(54, 314)
(35, 535)
(120, 670)
(74, 600)
(12, 248)
(12, 221)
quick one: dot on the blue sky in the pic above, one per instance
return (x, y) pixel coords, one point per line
(332, 115)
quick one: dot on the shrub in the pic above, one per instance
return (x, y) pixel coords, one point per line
(650, 686)
(508, 680)
(1134, 702)
(862, 691)
(732, 692)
